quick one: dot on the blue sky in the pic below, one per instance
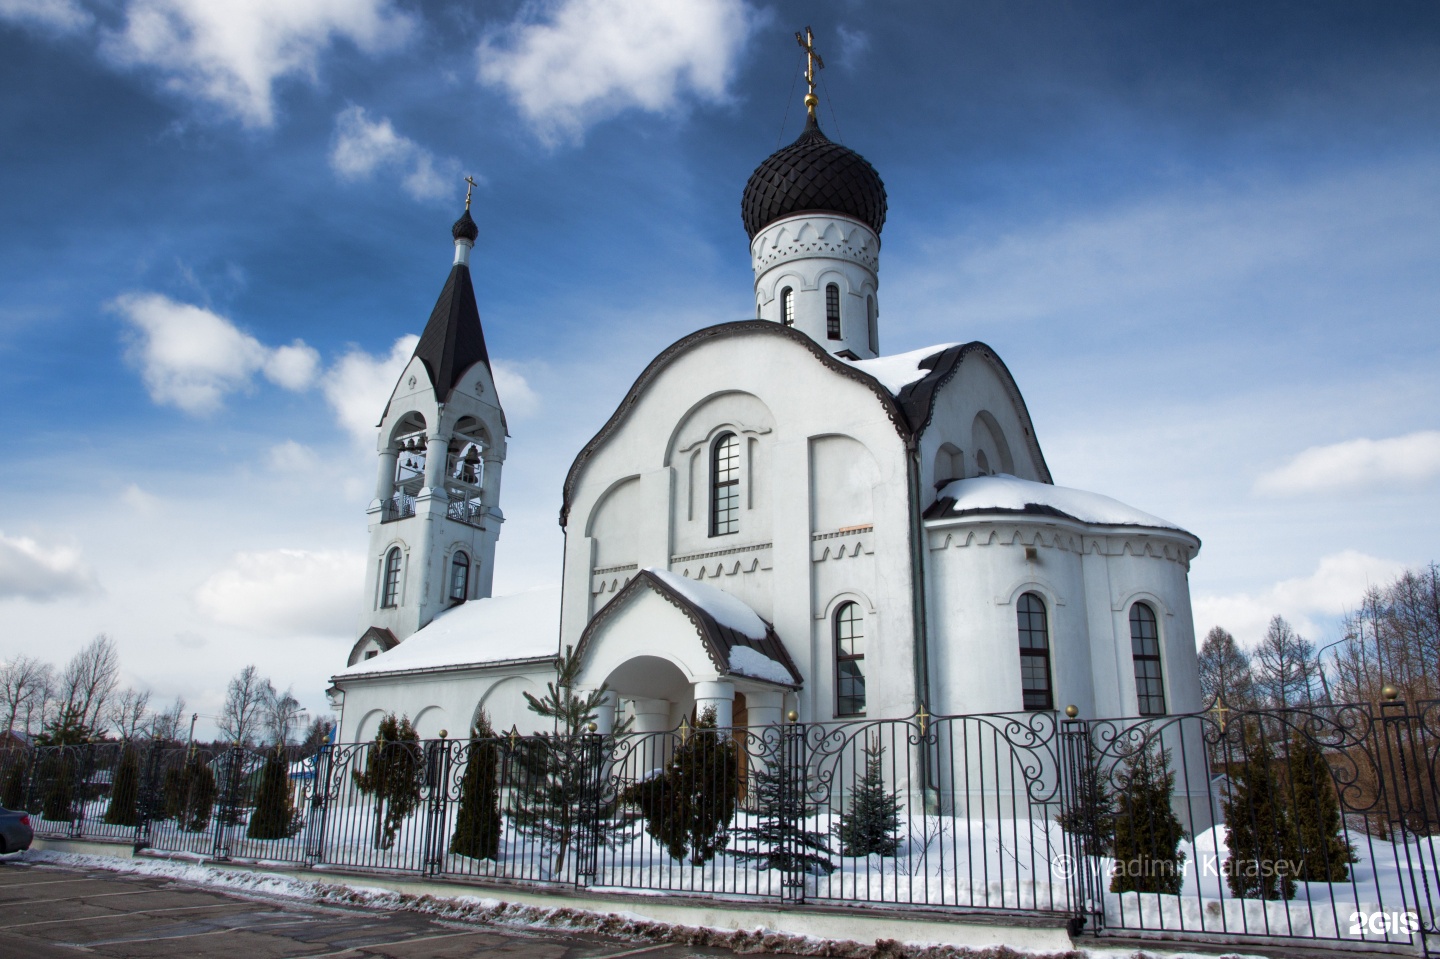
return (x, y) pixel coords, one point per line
(1202, 235)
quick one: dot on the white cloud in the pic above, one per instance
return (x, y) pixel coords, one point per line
(1336, 587)
(358, 385)
(58, 15)
(362, 146)
(29, 570)
(293, 367)
(516, 396)
(232, 53)
(1357, 465)
(288, 592)
(191, 357)
(293, 458)
(853, 43)
(584, 60)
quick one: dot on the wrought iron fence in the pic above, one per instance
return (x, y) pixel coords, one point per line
(1311, 823)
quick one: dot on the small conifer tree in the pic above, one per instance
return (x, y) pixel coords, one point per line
(57, 774)
(779, 839)
(1324, 853)
(1147, 831)
(124, 808)
(274, 815)
(478, 824)
(562, 801)
(1089, 811)
(871, 826)
(1259, 831)
(13, 795)
(689, 807)
(188, 794)
(394, 773)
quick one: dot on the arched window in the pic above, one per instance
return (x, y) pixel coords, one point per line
(787, 306)
(1034, 653)
(849, 660)
(725, 485)
(872, 317)
(390, 591)
(832, 311)
(459, 577)
(1145, 648)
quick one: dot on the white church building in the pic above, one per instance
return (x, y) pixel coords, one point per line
(776, 520)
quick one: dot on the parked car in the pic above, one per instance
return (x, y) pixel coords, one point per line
(15, 831)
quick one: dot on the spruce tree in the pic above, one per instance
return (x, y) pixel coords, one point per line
(562, 801)
(124, 808)
(478, 824)
(1147, 831)
(779, 839)
(1324, 853)
(689, 807)
(394, 773)
(1089, 812)
(13, 795)
(871, 826)
(57, 777)
(274, 815)
(187, 795)
(1259, 831)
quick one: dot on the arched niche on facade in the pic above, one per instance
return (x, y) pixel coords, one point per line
(986, 437)
(949, 464)
(429, 721)
(843, 477)
(613, 522)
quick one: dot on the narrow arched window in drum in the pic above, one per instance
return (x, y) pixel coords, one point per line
(1145, 649)
(1034, 652)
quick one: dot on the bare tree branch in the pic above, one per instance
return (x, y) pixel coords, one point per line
(244, 707)
(24, 682)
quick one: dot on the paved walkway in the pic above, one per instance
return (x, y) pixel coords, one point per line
(52, 911)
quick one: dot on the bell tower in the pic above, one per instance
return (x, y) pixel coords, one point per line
(436, 512)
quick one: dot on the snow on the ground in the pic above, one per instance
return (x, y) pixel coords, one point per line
(520, 626)
(756, 665)
(727, 610)
(1004, 491)
(900, 370)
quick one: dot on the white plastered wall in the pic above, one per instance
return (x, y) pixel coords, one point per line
(771, 563)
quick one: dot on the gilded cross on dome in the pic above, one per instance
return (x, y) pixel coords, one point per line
(472, 185)
(812, 63)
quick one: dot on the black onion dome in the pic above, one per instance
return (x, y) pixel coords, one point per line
(465, 228)
(813, 174)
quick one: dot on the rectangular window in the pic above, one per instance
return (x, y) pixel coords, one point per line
(832, 311)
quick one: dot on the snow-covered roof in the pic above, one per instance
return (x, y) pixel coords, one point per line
(483, 631)
(748, 661)
(900, 370)
(1007, 493)
(727, 610)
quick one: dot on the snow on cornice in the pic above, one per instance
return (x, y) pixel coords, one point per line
(900, 370)
(1013, 494)
(500, 629)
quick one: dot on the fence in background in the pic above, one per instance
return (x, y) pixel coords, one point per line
(1311, 823)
